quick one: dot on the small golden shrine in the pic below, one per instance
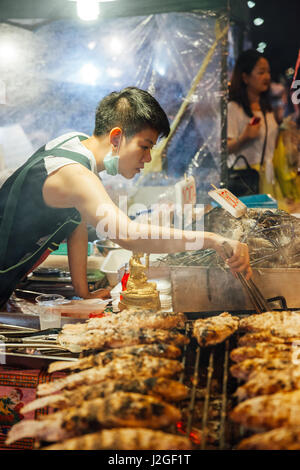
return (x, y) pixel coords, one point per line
(139, 291)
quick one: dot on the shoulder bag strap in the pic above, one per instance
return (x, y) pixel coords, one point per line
(240, 157)
(265, 141)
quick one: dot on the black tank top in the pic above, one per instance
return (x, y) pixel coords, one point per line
(28, 227)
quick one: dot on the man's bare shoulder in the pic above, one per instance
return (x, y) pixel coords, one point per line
(64, 186)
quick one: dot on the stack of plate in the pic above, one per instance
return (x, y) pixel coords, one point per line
(164, 288)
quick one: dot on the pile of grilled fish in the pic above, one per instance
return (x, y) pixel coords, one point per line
(272, 235)
(122, 391)
(267, 362)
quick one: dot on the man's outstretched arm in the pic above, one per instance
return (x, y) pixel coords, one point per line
(75, 186)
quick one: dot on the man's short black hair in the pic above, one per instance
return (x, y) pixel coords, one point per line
(131, 109)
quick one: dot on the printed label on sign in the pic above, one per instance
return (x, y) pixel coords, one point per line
(229, 197)
(185, 191)
(229, 202)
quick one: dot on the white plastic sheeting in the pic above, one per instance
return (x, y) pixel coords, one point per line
(56, 73)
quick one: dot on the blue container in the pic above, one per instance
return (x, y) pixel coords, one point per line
(257, 200)
(260, 200)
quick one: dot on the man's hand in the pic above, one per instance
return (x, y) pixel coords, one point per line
(239, 261)
(99, 294)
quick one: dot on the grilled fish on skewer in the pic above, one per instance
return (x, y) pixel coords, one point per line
(120, 337)
(138, 318)
(243, 370)
(146, 319)
(118, 410)
(262, 350)
(251, 339)
(268, 411)
(126, 368)
(285, 324)
(214, 330)
(285, 438)
(125, 439)
(266, 382)
(162, 387)
(101, 359)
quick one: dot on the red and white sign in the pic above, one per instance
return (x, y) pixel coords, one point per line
(185, 191)
(229, 202)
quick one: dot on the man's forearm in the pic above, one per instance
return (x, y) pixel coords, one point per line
(158, 239)
(77, 257)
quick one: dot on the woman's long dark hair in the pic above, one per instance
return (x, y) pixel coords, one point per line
(238, 88)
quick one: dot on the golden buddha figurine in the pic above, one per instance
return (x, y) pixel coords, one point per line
(139, 292)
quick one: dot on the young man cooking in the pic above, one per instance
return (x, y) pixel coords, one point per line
(57, 192)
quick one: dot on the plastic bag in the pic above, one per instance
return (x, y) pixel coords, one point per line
(286, 175)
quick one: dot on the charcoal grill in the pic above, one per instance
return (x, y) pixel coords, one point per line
(206, 372)
(205, 412)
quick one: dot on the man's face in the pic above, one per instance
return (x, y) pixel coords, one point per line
(136, 151)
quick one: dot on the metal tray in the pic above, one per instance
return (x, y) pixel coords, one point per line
(196, 288)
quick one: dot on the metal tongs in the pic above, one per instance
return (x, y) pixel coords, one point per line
(20, 337)
(256, 297)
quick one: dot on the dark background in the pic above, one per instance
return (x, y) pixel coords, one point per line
(280, 31)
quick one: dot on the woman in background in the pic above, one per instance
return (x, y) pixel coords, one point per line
(249, 99)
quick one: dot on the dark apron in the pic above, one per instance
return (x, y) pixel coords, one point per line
(62, 221)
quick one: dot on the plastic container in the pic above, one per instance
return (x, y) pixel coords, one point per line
(49, 309)
(78, 309)
(260, 200)
(112, 263)
(83, 309)
(256, 200)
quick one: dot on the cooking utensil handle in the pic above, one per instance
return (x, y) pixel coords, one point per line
(259, 295)
(255, 296)
(251, 295)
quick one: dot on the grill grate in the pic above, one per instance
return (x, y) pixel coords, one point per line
(205, 414)
(206, 373)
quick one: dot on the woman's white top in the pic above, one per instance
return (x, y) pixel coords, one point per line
(237, 120)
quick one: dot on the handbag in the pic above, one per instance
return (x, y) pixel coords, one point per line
(243, 182)
(246, 181)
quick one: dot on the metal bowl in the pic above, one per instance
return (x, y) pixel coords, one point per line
(105, 246)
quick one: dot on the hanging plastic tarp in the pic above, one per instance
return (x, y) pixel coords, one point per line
(56, 73)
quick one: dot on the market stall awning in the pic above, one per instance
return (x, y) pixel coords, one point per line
(63, 9)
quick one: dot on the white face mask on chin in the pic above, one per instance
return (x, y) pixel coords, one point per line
(111, 163)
